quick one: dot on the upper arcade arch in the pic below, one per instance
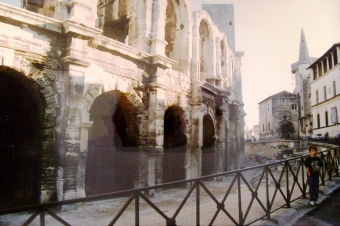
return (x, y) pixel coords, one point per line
(178, 31)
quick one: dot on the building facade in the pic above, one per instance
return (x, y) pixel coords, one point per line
(302, 86)
(101, 96)
(278, 116)
(325, 87)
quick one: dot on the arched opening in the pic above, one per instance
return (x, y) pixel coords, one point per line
(113, 19)
(204, 49)
(170, 28)
(112, 159)
(174, 145)
(22, 109)
(208, 148)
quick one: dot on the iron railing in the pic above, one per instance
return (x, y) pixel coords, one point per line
(242, 201)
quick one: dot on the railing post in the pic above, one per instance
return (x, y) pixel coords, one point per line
(197, 203)
(239, 199)
(42, 218)
(287, 184)
(267, 193)
(304, 186)
(323, 169)
(137, 209)
(337, 155)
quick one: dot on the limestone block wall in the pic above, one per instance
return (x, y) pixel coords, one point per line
(126, 104)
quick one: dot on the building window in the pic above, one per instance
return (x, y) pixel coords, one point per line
(263, 128)
(317, 97)
(334, 88)
(268, 126)
(294, 106)
(230, 23)
(318, 118)
(334, 116)
(326, 118)
(325, 93)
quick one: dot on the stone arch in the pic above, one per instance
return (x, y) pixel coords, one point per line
(113, 18)
(27, 135)
(208, 147)
(112, 157)
(205, 32)
(177, 34)
(175, 143)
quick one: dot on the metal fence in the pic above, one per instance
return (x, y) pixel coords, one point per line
(239, 197)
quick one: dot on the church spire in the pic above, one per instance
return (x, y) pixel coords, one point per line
(303, 54)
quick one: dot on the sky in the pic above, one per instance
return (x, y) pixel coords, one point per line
(268, 32)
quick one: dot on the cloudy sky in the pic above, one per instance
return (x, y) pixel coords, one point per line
(268, 31)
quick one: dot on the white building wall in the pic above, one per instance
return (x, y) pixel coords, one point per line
(329, 81)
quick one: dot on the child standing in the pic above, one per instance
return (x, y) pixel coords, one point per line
(313, 164)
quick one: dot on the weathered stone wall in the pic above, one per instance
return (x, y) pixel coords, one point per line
(146, 58)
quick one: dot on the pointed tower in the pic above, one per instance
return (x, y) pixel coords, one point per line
(302, 86)
(303, 54)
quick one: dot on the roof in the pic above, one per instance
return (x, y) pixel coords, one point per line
(281, 95)
(324, 55)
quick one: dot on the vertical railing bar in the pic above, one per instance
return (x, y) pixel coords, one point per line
(42, 218)
(303, 178)
(287, 185)
(197, 203)
(137, 209)
(267, 194)
(323, 170)
(239, 199)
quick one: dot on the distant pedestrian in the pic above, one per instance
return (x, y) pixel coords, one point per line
(313, 164)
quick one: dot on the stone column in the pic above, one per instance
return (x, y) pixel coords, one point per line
(220, 144)
(74, 66)
(140, 26)
(332, 60)
(85, 126)
(327, 63)
(156, 135)
(158, 28)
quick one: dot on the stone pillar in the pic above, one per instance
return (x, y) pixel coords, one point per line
(83, 11)
(196, 150)
(74, 66)
(327, 63)
(218, 63)
(332, 60)
(338, 53)
(158, 28)
(85, 126)
(220, 143)
(156, 135)
(140, 26)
